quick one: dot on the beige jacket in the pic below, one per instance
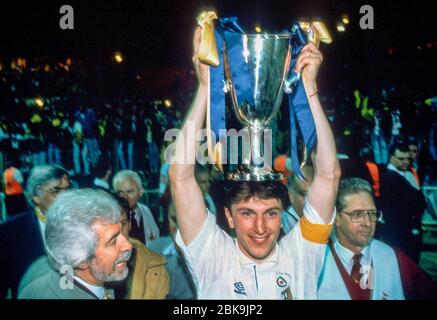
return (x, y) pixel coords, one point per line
(149, 279)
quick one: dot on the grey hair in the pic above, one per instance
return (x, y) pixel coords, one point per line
(42, 175)
(70, 236)
(349, 187)
(124, 174)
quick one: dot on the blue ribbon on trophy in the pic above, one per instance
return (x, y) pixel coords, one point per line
(298, 102)
(228, 32)
(299, 106)
(228, 43)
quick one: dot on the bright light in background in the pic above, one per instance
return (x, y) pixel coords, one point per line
(118, 57)
(258, 29)
(168, 103)
(341, 27)
(21, 62)
(345, 19)
(39, 102)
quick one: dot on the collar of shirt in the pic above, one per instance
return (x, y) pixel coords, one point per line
(272, 259)
(170, 250)
(41, 223)
(41, 217)
(101, 183)
(406, 174)
(42, 228)
(346, 255)
(393, 168)
(97, 290)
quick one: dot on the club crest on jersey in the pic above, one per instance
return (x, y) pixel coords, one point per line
(281, 282)
(283, 279)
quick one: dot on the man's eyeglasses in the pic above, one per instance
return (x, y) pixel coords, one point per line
(55, 190)
(357, 216)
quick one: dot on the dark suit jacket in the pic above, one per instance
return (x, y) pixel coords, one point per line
(402, 206)
(20, 244)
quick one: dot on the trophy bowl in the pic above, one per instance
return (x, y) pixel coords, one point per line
(266, 62)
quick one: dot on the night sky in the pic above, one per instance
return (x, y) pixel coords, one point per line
(158, 33)
(161, 29)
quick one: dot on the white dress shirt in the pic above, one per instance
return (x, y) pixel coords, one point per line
(406, 174)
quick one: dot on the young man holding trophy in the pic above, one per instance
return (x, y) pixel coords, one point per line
(255, 265)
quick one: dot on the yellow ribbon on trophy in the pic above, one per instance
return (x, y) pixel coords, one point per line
(208, 54)
(317, 32)
(208, 47)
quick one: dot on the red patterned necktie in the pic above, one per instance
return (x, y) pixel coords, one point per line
(356, 274)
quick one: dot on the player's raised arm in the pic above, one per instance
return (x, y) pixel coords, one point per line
(187, 196)
(323, 190)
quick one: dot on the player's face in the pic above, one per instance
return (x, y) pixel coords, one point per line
(257, 223)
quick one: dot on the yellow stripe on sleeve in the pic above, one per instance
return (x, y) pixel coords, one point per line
(318, 233)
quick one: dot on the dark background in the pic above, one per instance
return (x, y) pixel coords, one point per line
(155, 39)
(159, 32)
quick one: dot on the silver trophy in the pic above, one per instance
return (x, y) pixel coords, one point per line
(268, 60)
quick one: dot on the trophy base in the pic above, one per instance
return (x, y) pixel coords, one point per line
(246, 176)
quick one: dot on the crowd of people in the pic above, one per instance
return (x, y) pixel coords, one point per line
(62, 123)
(76, 170)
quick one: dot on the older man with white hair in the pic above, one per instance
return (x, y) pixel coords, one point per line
(85, 248)
(127, 184)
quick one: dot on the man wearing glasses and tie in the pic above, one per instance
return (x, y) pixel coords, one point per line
(358, 267)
